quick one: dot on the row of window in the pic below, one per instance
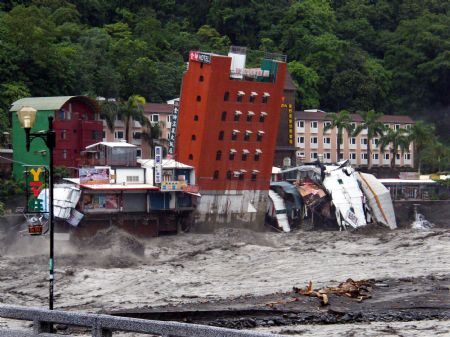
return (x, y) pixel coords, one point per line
(248, 118)
(234, 135)
(244, 156)
(252, 98)
(95, 134)
(327, 140)
(375, 156)
(315, 124)
(236, 174)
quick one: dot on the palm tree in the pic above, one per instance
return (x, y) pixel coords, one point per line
(371, 122)
(341, 121)
(395, 139)
(128, 110)
(421, 134)
(108, 110)
(150, 133)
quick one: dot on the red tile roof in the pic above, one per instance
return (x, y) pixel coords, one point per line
(158, 108)
(320, 116)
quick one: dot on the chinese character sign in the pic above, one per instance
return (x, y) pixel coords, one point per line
(36, 180)
(158, 164)
(290, 110)
(173, 129)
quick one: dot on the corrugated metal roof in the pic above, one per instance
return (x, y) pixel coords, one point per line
(158, 108)
(166, 163)
(111, 144)
(41, 103)
(51, 103)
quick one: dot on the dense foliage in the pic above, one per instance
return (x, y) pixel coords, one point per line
(392, 56)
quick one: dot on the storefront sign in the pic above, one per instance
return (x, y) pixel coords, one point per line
(94, 176)
(191, 188)
(36, 180)
(173, 130)
(290, 110)
(200, 57)
(158, 164)
(174, 185)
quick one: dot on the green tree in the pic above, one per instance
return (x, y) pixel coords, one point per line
(307, 81)
(371, 121)
(132, 109)
(395, 140)
(341, 121)
(422, 135)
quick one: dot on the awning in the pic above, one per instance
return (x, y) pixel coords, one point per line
(192, 193)
(245, 151)
(236, 131)
(233, 151)
(258, 151)
(261, 132)
(237, 112)
(255, 171)
(254, 93)
(248, 131)
(266, 94)
(263, 113)
(241, 93)
(251, 113)
(242, 171)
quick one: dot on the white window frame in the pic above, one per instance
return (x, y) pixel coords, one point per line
(314, 123)
(116, 134)
(154, 118)
(313, 155)
(313, 142)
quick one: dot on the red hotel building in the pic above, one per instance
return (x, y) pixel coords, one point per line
(227, 130)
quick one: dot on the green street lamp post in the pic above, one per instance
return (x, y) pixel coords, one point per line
(27, 117)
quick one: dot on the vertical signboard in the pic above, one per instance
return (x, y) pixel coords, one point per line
(291, 123)
(36, 181)
(158, 164)
(173, 130)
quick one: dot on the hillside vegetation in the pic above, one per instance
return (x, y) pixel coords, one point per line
(392, 56)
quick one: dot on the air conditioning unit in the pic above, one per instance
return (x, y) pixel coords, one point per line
(236, 174)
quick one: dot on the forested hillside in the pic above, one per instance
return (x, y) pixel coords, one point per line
(389, 55)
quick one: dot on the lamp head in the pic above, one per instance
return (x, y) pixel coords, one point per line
(26, 116)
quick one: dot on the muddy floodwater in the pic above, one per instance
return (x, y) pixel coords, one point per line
(114, 271)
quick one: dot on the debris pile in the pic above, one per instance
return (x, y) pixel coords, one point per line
(350, 288)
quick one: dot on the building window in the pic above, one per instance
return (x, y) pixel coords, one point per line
(353, 156)
(250, 116)
(326, 124)
(237, 115)
(327, 140)
(95, 135)
(244, 155)
(259, 136)
(229, 175)
(63, 134)
(226, 96)
(363, 141)
(397, 126)
(224, 116)
(154, 118)
(247, 135)
(257, 154)
(313, 155)
(196, 118)
(375, 141)
(241, 175)
(254, 174)
(191, 157)
(313, 140)
(118, 117)
(64, 154)
(231, 156)
(408, 126)
(407, 156)
(132, 179)
(301, 124)
(136, 135)
(301, 140)
(104, 134)
(352, 141)
(397, 156)
(218, 155)
(239, 96)
(364, 156)
(265, 98)
(375, 156)
(138, 153)
(221, 134)
(199, 98)
(262, 117)
(234, 134)
(216, 175)
(201, 78)
(252, 99)
(193, 137)
(386, 156)
(118, 134)
(327, 155)
(314, 125)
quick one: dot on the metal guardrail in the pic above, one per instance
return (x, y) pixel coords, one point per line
(104, 325)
